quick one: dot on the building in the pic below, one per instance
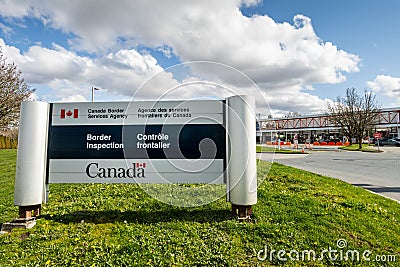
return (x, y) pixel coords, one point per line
(318, 127)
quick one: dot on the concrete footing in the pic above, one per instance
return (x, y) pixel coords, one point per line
(26, 219)
(18, 223)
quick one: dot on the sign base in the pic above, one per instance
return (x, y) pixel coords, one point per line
(27, 212)
(26, 220)
(243, 212)
(18, 223)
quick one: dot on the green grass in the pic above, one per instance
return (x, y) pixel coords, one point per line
(275, 150)
(365, 148)
(7, 172)
(120, 225)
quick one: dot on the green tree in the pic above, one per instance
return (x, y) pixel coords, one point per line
(354, 113)
(13, 90)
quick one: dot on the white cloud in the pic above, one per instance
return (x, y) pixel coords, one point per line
(248, 3)
(283, 56)
(74, 98)
(388, 85)
(70, 74)
(10, 8)
(43, 65)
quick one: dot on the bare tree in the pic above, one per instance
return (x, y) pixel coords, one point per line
(354, 113)
(13, 90)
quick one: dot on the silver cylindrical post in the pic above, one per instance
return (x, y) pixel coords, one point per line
(242, 169)
(31, 157)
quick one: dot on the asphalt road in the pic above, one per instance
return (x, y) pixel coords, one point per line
(378, 172)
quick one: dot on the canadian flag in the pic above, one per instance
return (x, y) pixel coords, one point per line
(140, 165)
(67, 114)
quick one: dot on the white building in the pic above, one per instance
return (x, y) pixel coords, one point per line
(314, 127)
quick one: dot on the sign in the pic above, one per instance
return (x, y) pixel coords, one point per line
(194, 141)
(173, 141)
(377, 135)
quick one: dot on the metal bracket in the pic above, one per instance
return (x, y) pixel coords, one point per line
(242, 212)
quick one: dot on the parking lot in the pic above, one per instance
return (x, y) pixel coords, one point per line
(377, 172)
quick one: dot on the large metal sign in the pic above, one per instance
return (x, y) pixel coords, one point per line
(196, 141)
(137, 142)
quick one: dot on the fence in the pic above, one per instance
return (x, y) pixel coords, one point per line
(7, 142)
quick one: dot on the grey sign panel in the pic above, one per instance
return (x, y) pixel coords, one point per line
(138, 113)
(162, 135)
(136, 171)
(137, 142)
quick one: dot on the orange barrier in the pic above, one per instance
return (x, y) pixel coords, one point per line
(323, 143)
(276, 143)
(281, 143)
(316, 144)
(346, 143)
(331, 143)
(339, 143)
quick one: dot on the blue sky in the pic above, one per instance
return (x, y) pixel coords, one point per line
(299, 54)
(366, 28)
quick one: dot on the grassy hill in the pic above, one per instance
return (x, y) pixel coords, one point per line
(120, 225)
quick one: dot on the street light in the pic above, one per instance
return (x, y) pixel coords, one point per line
(94, 88)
